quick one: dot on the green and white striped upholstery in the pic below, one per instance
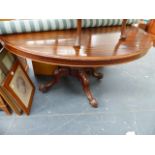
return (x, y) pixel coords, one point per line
(37, 25)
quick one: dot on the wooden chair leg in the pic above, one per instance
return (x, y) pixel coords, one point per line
(123, 29)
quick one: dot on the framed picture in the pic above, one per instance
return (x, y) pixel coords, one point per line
(6, 60)
(20, 86)
(10, 100)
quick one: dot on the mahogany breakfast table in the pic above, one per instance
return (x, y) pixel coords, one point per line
(96, 47)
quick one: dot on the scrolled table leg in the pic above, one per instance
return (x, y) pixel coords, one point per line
(96, 74)
(85, 84)
(57, 75)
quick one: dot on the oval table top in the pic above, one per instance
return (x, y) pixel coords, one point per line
(97, 46)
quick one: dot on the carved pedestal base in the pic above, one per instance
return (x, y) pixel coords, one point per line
(81, 74)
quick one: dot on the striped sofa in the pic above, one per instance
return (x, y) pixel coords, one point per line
(36, 25)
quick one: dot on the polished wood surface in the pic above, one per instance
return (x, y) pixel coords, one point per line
(75, 51)
(153, 38)
(98, 46)
(151, 26)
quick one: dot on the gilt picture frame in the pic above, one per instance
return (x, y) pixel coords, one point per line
(20, 87)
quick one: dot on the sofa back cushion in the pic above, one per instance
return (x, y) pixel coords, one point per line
(37, 25)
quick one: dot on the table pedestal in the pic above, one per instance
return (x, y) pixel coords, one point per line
(79, 73)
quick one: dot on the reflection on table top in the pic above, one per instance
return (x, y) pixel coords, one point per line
(97, 46)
